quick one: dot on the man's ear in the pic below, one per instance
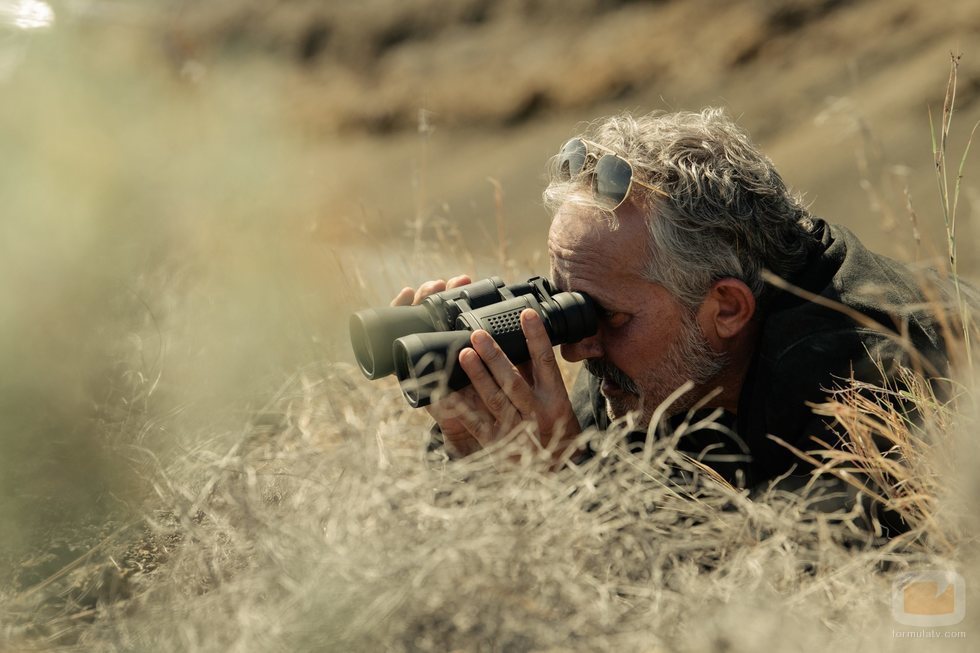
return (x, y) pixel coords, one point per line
(728, 307)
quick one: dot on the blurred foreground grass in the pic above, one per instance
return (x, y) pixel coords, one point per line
(187, 467)
(158, 275)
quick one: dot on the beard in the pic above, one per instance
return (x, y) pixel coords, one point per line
(689, 358)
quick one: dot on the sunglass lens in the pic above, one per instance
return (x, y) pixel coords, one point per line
(612, 179)
(571, 159)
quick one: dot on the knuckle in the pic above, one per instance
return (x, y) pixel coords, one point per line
(492, 353)
(547, 357)
(512, 384)
(497, 401)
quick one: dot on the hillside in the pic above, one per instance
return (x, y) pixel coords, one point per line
(408, 107)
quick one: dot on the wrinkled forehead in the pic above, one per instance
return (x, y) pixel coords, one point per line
(587, 249)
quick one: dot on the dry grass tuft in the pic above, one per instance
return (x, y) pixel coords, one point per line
(326, 525)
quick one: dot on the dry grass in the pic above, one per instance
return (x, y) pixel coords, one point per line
(327, 526)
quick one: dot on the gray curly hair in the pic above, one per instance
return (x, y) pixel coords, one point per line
(729, 213)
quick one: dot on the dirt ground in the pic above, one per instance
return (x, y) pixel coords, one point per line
(417, 109)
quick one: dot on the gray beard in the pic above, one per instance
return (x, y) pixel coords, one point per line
(690, 358)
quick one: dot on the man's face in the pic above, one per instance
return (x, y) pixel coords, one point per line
(647, 344)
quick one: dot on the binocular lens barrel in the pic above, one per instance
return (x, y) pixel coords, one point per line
(427, 364)
(373, 330)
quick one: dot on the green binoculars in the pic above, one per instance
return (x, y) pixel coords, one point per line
(420, 344)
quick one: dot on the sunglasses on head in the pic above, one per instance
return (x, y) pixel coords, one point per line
(612, 175)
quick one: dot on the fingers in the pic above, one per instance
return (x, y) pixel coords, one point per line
(498, 382)
(503, 398)
(404, 298)
(461, 280)
(428, 288)
(545, 366)
(476, 419)
(457, 405)
(465, 422)
(409, 296)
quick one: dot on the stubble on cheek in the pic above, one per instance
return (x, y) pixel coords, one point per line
(689, 358)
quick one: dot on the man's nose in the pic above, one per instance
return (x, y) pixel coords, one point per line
(583, 349)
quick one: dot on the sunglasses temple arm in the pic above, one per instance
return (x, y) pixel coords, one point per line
(658, 191)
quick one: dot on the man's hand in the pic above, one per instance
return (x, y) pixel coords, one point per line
(528, 401)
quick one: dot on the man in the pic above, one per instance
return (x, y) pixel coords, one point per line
(671, 222)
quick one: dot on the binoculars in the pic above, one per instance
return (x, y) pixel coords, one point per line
(421, 343)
